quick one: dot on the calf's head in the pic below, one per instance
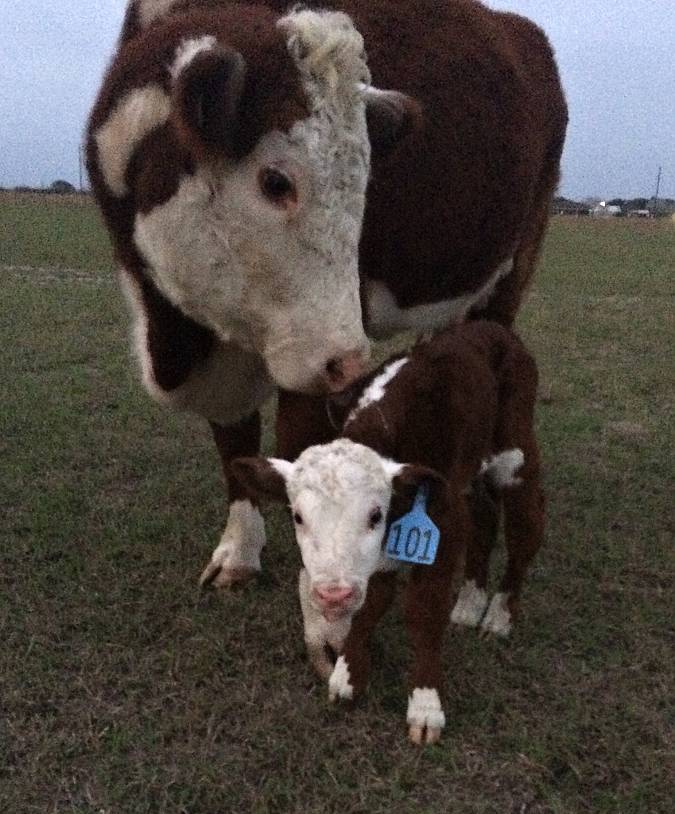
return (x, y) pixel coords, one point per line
(340, 496)
(256, 234)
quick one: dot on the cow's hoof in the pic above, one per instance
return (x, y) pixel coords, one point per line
(426, 718)
(216, 575)
(236, 560)
(339, 686)
(470, 605)
(498, 619)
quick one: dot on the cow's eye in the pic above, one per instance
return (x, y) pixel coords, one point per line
(297, 518)
(276, 186)
(375, 518)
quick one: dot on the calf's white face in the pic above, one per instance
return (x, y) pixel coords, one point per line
(339, 495)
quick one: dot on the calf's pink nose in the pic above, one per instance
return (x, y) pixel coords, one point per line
(333, 594)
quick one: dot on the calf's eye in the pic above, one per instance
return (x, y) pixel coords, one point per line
(277, 187)
(375, 518)
(297, 518)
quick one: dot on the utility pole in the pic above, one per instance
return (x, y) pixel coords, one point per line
(79, 164)
(656, 194)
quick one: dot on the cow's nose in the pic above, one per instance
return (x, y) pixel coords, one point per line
(343, 370)
(333, 594)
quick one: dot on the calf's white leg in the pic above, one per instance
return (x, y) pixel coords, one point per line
(319, 632)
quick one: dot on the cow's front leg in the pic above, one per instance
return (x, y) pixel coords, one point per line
(237, 557)
(350, 674)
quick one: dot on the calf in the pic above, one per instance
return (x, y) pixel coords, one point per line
(460, 409)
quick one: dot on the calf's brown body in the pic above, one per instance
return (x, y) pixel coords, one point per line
(463, 397)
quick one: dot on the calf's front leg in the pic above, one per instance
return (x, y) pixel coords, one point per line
(320, 634)
(350, 674)
(237, 557)
(427, 607)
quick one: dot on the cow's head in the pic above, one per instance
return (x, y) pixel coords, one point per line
(258, 238)
(340, 496)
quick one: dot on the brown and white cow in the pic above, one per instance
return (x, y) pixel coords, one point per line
(270, 191)
(459, 411)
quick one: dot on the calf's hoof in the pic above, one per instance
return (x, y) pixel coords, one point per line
(470, 605)
(426, 718)
(216, 575)
(339, 686)
(498, 620)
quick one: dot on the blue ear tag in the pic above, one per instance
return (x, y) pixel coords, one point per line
(414, 537)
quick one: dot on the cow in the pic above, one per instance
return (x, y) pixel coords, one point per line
(281, 185)
(455, 416)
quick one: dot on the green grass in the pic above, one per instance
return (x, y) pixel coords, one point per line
(121, 690)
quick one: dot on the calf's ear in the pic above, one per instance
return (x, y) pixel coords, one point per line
(206, 100)
(264, 477)
(407, 479)
(391, 118)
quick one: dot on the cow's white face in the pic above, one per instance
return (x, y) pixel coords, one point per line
(264, 250)
(259, 243)
(339, 495)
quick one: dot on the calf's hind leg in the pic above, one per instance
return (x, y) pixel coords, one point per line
(524, 532)
(522, 496)
(472, 600)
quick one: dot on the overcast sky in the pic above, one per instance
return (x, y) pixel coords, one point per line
(615, 56)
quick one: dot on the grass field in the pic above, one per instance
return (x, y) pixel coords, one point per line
(122, 691)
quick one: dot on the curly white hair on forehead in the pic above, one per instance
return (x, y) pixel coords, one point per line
(338, 469)
(327, 49)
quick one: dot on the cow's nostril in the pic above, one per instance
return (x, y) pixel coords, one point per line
(341, 372)
(334, 370)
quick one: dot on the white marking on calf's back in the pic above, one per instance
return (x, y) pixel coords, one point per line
(377, 388)
(133, 117)
(502, 468)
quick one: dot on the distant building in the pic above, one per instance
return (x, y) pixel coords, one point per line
(603, 210)
(639, 213)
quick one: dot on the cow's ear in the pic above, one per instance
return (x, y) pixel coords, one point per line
(263, 477)
(206, 100)
(406, 480)
(391, 117)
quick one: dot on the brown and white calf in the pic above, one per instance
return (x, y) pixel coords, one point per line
(459, 411)
(274, 197)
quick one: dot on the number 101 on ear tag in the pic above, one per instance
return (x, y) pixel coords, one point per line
(414, 537)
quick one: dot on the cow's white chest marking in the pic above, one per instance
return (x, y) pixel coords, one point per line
(386, 317)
